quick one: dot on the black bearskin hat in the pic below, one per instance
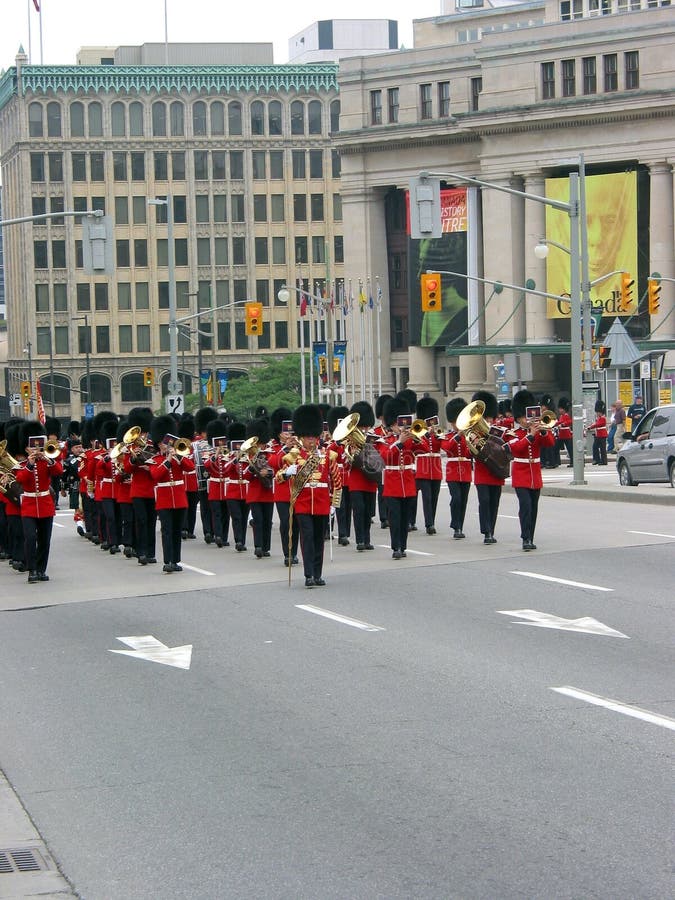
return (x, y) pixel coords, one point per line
(122, 428)
(142, 417)
(564, 403)
(29, 430)
(236, 431)
(53, 426)
(261, 412)
(379, 404)
(521, 400)
(216, 428)
(490, 401)
(335, 413)
(202, 418)
(88, 434)
(108, 430)
(308, 421)
(279, 415)
(366, 414)
(600, 407)
(426, 407)
(393, 409)
(259, 428)
(186, 428)
(74, 428)
(100, 419)
(547, 401)
(407, 395)
(13, 437)
(453, 408)
(160, 426)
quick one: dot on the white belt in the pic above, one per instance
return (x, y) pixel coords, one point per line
(38, 494)
(398, 468)
(107, 480)
(519, 460)
(233, 480)
(458, 459)
(218, 480)
(422, 455)
(315, 484)
(169, 483)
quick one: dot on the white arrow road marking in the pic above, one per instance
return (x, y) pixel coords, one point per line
(624, 708)
(654, 534)
(547, 620)
(336, 617)
(580, 584)
(149, 648)
(195, 569)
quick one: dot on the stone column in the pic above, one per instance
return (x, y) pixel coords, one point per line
(538, 328)
(662, 245)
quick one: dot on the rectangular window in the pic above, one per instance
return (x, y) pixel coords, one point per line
(102, 339)
(141, 253)
(125, 339)
(316, 163)
(220, 251)
(83, 339)
(426, 106)
(218, 165)
(278, 251)
(632, 70)
(590, 75)
(259, 207)
(61, 340)
(44, 340)
(278, 208)
(220, 208)
(258, 164)
(124, 295)
(281, 335)
(276, 164)
(262, 257)
(222, 293)
(41, 298)
(338, 249)
(96, 167)
(298, 157)
(318, 249)
(119, 166)
(203, 251)
(337, 208)
(122, 251)
(139, 210)
(301, 250)
(548, 80)
(316, 205)
(299, 208)
(376, 107)
(240, 339)
(55, 161)
(143, 339)
(142, 290)
(56, 204)
(98, 203)
(237, 204)
(121, 210)
(476, 88)
(262, 291)
(236, 165)
(58, 254)
(79, 262)
(83, 297)
(178, 165)
(202, 208)
(610, 69)
(40, 260)
(278, 284)
(569, 80)
(181, 251)
(78, 163)
(240, 289)
(37, 167)
(161, 165)
(38, 206)
(224, 342)
(264, 339)
(444, 99)
(336, 165)
(239, 251)
(138, 166)
(392, 104)
(60, 298)
(164, 341)
(101, 297)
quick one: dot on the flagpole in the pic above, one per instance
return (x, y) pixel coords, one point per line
(166, 34)
(311, 350)
(371, 361)
(362, 336)
(352, 342)
(40, 21)
(30, 33)
(379, 341)
(303, 385)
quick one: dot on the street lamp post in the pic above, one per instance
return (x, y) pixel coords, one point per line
(174, 386)
(87, 346)
(28, 350)
(284, 296)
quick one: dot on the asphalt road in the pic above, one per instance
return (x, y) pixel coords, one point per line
(419, 750)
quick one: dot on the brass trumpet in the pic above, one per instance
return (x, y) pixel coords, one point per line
(548, 420)
(132, 442)
(418, 429)
(182, 447)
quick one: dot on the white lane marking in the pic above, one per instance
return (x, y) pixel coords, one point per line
(546, 620)
(502, 516)
(625, 708)
(579, 584)
(195, 569)
(58, 525)
(408, 550)
(336, 617)
(654, 534)
(149, 648)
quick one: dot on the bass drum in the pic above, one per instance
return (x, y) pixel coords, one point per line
(369, 461)
(496, 455)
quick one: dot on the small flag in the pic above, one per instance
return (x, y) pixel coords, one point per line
(379, 296)
(303, 306)
(40, 406)
(332, 297)
(362, 298)
(371, 303)
(351, 295)
(36, 4)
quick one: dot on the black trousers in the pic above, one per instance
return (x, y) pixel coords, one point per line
(343, 514)
(459, 497)
(283, 511)
(489, 496)
(126, 530)
(528, 504)
(429, 489)
(4, 531)
(190, 513)
(262, 525)
(363, 510)
(220, 516)
(600, 451)
(238, 511)
(312, 530)
(382, 505)
(401, 512)
(145, 523)
(171, 521)
(569, 446)
(17, 549)
(37, 535)
(205, 512)
(90, 512)
(109, 522)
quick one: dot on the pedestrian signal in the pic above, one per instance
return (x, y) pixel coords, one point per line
(430, 288)
(653, 295)
(604, 358)
(25, 390)
(148, 377)
(627, 285)
(254, 320)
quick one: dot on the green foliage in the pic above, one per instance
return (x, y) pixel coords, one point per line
(276, 383)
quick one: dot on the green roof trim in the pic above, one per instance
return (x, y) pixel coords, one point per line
(169, 79)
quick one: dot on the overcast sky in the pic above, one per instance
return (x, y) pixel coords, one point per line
(68, 25)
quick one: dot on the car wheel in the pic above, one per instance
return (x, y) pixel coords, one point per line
(625, 478)
(671, 473)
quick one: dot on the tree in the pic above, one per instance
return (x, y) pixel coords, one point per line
(276, 383)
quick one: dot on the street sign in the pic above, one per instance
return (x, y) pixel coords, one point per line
(89, 410)
(175, 387)
(175, 404)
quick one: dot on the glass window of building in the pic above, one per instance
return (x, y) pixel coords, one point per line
(37, 167)
(84, 340)
(199, 118)
(376, 107)
(53, 119)
(39, 206)
(240, 338)
(301, 250)
(334, 116)
(118, 119)
(258, 165)
(318, 248)
(237, 204)
(95, 119)
(101, 297)
(569, 80)
(299, 208)
(61, 341)
(60, 297)
(143, 338)
(141, 253)
(96, 167)
(277, 285)
(276, 164)
(132, 388)
(79, 261)
(80, 204)
(202, 214)
(57, 205)
(140, 210)
(180, 209)
(260, 207)
(548, 80)
(142, 294)
(78, 164)
(262, 291)
(120, 166)
(125, 343)
(476, 88)
(44, 340)
(264, 339)
(392, 104)
(316, 205)
(136, 119)
(122, 253)
(98, 203)
(257, 117)
(297, 117)
(298, 157)
(444, 99)
(55, 161)
(178, 165)
(337, 208)
(338, 248)
(279, 251)
(58, 254)
(281, 335)
(590, 75)
(220, 251)
(40, 260)
(261, 251)
(218, 165)
(83, 297)
(138, 166)
(632, 69)
(203, 251)
(336, 165)
(316, 163)
(161, 165)
(224, 336)
(314, 117)
(274, 124)
(239, 251)
(76, 119)
(102, 339)
(217, 118)
(181, 251)
(124, 295)
(240, 290)
(426, 104)
(35, 120)
(177, 114)
(159, 119)
(201, 161)
(234, 117)
(42, 298)
(220, 208)
(236, 165)
(611, 72)
(278, 208)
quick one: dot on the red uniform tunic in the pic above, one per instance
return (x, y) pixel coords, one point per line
(428, 461)
(599, 426)
(168, 475)
(257, 492)
(356, 480)
(236, 485)
(37, 501)
(565, 426)
(103, 477)
(399, 466)
(315, 497)
(216, 467)
(459, 462)
(526, 462)
(142, 484)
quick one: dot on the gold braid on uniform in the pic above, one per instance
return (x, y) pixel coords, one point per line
(336, 480)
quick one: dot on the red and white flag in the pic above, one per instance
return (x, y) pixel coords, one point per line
(38, 393)
(36, 4)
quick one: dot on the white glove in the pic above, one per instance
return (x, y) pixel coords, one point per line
(291, 470)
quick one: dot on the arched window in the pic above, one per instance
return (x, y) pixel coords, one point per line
(76, 119)
(95, 119)
(274, 117)
(159, 119)
(133, 389)
(55, 389)
(177, 118)
(234, 117)
(35, 126)
(257, 117)
(118, 120)
(54, 119)
(136, 119)
(199, 118)
(335, 116)
(101, 390)
(297, 117)
(314, 116)
(217, 117)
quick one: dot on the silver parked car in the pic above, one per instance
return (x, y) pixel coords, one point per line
(648, 454)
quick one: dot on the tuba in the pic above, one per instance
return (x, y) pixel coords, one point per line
(488, 448)
(348, 434)
(132, 442)
(257, 462)
(11, 488)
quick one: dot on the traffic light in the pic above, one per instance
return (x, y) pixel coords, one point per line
(627, 285)
(653, 295)
(604, 358)
(254, 320)
(430, 288)
(25, 390)
(148, 377)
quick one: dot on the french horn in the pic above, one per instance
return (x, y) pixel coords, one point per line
(487, 448)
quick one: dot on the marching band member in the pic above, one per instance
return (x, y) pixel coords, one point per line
(142, 486)
(236, 486)
(186, 430)
(216, 468)
(104, 487)
(343, 513)
(362, 490)
(429, 472)
(200, 448)
(409, 397)
(565, 429)
(550, 456)
(260, 497)
(16, 547)
(458, 468)
(283, 440)
(600, 432)
(488, 485)
(526, 445)
(37, 501)
(122, 495)
(167, 470)
(398, 451)
(381, 431)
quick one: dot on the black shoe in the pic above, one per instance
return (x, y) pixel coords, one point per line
(240, 548)
(128, 552)
(396, 554)
(42, 576)
(20, 567)
(384, 524)
(412, 527)
(287, 562)
(404, 555)
(33, 577)
(142, 560)
(226, 543)
(489, 539)
(309, 582)
(266, 554)
(319, 582)
(294, 561)
(368, 547)
(343, 541)
(168, 568)
(176, 567)
(360, 547)
(105, 546)
(95, 541)
(258, 552)
(81, 531)
(527, 545)
(459, 534)
(184, 535)
(208, 538)
(114, 549)
(431, 529)
(219, 542)
(151, 559)
(190, 536)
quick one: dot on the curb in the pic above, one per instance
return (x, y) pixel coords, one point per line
(620, 495)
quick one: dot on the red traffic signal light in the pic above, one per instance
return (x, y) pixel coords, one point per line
(604, 358)
(148, 377)
(254, 321)
(430, 289)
